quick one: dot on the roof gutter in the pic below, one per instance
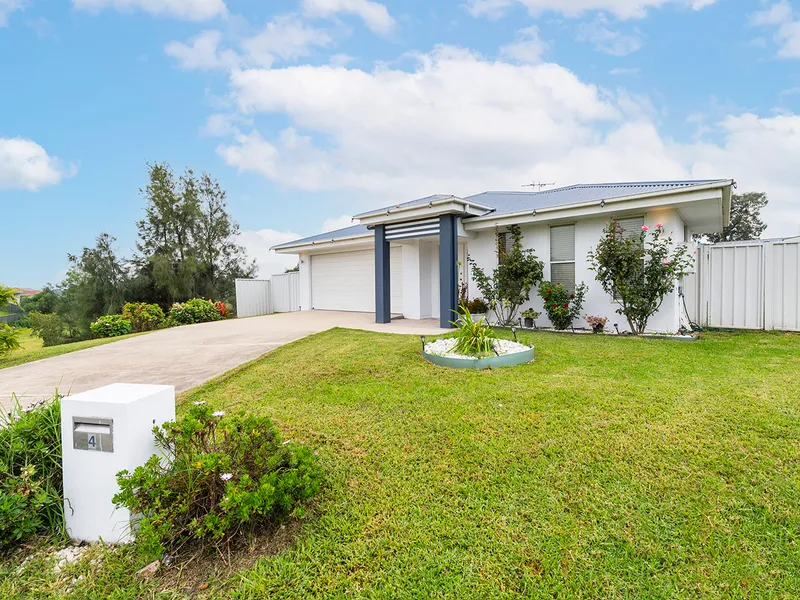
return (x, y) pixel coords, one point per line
(296, 246)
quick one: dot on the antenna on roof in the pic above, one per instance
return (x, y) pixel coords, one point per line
(537, 184)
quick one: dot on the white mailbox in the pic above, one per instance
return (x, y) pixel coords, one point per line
(104, 431)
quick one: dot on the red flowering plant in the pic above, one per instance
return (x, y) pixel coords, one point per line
(561, 305)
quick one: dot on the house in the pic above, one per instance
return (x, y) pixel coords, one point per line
(408, 259)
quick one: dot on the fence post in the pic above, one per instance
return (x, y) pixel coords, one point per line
(766, 285)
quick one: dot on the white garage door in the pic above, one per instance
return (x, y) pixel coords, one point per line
(346, 281)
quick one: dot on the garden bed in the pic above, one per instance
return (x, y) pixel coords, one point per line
(692, 337)
(507, 354)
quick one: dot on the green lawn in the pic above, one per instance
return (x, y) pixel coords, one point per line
(609, 468)
(31, 348)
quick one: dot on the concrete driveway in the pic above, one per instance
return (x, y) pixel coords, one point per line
(183, 356)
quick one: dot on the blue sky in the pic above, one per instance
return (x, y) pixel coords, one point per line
(309, 111)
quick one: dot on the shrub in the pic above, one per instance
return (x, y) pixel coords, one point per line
(110, 326)
(196, 310)
(475, 338)
(476, 306)
(562, 307)
(510, 285)
(24, 322)
(31, 492)
(49, 327)
(638, 271)
(531, 315)
(598, 324)
(218, 476)
(8, 339)
(143, 316)
(224, 309)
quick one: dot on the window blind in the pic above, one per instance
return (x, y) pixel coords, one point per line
(631, 226)
(562, 256)
(562, 243)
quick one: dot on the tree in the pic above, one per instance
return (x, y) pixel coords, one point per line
(638, 272)
(8, 295)
(509, 287)
(167, 259)
(220, 259)
(45, 302)
(95, 285)
(745, 223)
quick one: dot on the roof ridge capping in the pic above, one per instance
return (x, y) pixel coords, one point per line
(617, 184)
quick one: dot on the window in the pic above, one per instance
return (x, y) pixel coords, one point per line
(562, 256)
(505, 241)
(631, 228)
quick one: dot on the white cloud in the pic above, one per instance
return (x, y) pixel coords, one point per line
(25, 165)
(619, 71)
(189, 10)
(787, 33)
(374, 14)
(335, 223)
(203, 52)
(390, 135)
(7, 7)
(624, 9)
(258, 244)
(527, 48)
(283, 38)
(286, 38)
(607, 40)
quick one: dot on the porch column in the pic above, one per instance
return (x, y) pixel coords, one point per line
(383, 294)
(448, 270)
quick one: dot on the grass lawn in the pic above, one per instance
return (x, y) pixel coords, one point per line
(609, 468)
(31, 348)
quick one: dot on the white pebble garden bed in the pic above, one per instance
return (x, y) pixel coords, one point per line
(444, 347)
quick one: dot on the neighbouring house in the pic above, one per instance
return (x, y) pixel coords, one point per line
(408, 259)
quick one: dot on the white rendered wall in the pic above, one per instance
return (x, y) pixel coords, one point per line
(587, 233)
(90, 479)
(304, 296)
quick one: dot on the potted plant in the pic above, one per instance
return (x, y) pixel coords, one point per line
(529, 315)
(598, 324)
(477, 307)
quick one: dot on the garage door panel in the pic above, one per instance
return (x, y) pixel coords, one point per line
(346, 281)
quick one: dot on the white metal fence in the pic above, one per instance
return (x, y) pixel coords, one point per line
(280, 293)
(746, 285)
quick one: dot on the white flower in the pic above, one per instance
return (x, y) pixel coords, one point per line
(226, 476)
(219, 413)
(199, 402)
(286, 442)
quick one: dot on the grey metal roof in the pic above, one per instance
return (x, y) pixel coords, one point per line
(338, 234)
(510, 202)
(425, 200)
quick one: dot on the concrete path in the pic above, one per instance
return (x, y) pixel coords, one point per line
(182, 356)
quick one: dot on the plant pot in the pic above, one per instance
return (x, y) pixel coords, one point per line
(598, 328)
(478, 316)
(528, 322)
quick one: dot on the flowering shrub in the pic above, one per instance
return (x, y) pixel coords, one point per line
(598, 324)
(110, 326)
(143, 316)
(30, 473)
(562, 307)
(218, 476)
(638, 271)
(196, 310)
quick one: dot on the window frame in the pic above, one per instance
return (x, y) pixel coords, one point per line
(572, 262)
